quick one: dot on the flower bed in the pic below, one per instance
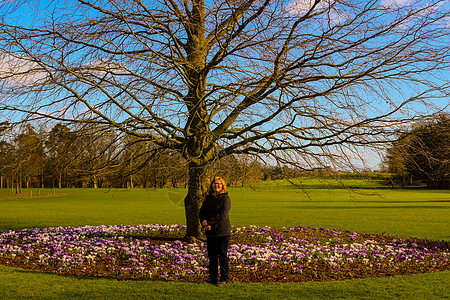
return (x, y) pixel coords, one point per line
(257, 254)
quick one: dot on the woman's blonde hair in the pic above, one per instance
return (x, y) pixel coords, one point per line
(224, 185)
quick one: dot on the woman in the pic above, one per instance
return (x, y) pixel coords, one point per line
(214, 219)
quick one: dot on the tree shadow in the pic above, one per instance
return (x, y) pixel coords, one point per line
(369, 207)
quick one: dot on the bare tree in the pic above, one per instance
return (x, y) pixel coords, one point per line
(60, 152)
(301, 82)
(29, 157)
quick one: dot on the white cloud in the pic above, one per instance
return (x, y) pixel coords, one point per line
(18, 70)
(302, 6)
(101, 67)
(328, 8)
(394, 3)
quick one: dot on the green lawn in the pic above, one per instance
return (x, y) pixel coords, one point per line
(16, 283)
(419, 213)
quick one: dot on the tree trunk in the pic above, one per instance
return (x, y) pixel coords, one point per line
(199, 181)
(94, 181)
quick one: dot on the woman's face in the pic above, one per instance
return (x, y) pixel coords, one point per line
(217, 186)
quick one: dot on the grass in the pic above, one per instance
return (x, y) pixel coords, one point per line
(419, 213)
(407, 213)
(17, 283)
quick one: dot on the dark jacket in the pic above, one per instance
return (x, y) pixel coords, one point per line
(215, 211)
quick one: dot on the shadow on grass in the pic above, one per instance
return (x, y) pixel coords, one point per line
(23, 271)
(364, 201)
(368, 207)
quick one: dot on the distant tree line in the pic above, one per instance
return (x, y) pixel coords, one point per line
(62, 157)
(422, 154)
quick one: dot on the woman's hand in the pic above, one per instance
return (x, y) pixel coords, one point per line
(204, 224)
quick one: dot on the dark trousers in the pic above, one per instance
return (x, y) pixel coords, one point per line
(218, 254)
